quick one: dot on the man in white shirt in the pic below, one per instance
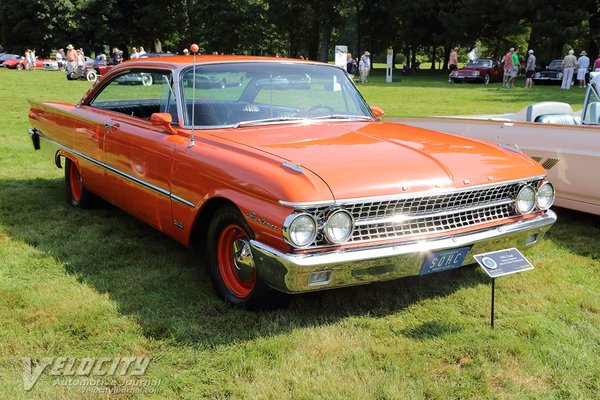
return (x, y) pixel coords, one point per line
(583, 63)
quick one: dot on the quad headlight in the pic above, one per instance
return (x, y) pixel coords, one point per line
(559, 75)
(300, 230)
(475, 73)
(338, 227)
(525, 200)
(545, 196)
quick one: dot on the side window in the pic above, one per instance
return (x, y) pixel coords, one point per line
(139, 94)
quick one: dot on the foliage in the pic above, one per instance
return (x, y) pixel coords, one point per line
(425, 28)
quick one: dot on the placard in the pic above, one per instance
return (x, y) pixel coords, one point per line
(503, 262)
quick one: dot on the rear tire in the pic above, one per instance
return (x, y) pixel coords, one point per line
(228, 254)
(77, 194)
(147, 80)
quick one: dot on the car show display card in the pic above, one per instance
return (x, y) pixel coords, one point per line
(503, 262)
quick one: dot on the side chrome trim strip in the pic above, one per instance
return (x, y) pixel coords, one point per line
(140, 182)
(433, 192)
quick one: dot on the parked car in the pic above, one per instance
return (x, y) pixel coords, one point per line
(20, 63)
(552, 74)
(7, 56)
(289, 182)
(484, 70)
(564, 142)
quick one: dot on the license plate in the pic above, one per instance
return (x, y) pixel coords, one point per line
(444, 260)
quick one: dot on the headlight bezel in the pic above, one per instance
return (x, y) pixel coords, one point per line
(533, 201)
(537, 195)
(331, 215)
(287, 229)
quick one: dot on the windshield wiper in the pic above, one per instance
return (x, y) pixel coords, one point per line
(344, 116)
(266, 121)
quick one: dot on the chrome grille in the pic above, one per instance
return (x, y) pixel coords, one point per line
(410, 217)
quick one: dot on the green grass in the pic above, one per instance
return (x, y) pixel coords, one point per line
(100, 283)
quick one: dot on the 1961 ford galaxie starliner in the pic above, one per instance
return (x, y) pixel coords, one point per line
(287, 180)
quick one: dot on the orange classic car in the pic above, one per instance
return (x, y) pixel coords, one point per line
(285, 178)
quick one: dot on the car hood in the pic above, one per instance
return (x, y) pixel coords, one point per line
(376, 159)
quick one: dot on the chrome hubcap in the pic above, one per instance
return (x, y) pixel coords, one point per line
(242, 259)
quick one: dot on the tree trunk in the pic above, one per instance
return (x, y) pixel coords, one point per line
(406, 52)
(413, 56)
(433, 57)
(325, 39)
(447, 51)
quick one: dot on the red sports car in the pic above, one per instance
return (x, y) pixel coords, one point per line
(20, 64)
(484, 70)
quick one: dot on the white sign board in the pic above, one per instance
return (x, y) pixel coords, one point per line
(341, 56)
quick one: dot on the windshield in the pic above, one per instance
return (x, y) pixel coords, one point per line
(251, 93)
(479, 63)
(555, 64)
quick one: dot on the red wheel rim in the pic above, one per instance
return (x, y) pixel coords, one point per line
(227, 266)
(75, 182)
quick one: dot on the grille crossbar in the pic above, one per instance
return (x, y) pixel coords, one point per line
(425, 215)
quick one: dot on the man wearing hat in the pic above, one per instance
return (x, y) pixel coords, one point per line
(71, 58)
(367, 65)
(583, 63)
(529, 70)
(568, 65)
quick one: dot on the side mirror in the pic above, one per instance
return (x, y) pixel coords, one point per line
(377, 112)
(164, 120)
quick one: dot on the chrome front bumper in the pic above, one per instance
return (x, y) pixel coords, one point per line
(290, 272)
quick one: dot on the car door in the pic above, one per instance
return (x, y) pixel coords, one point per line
(138, 154)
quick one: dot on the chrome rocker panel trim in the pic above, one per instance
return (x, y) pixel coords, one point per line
(289, 272)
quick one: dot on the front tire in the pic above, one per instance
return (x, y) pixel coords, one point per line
(20, 67)
(77, 194)
(231, 264)
(91, 75)
(486, 79)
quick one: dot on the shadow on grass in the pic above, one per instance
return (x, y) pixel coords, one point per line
(157, 281)
(577, 231)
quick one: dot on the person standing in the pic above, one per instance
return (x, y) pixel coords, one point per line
(583, 63)
(134, 54)
(597, 64)
(453, 62)
(361, 69)
(367, 65)
(141, 52)
(58, 56)
(507, 67)
(515, 66)
(568, 65)
(80, 62)
(529, 70)
(71, 58)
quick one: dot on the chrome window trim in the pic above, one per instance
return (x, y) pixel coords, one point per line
(433, 192)
(183, 68)
(140, 182)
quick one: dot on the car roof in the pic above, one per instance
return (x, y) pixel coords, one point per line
(201, 59)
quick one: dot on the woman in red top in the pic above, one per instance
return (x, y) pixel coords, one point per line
(597, 64)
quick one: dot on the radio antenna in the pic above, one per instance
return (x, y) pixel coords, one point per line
(194, 48)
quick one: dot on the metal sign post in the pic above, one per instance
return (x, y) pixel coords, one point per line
(500, 263)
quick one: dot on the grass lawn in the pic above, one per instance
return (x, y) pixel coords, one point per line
(99, 283)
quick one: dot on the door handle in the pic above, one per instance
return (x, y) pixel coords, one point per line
(114, 126)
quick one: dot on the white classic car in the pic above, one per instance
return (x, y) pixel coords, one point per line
(565, 142)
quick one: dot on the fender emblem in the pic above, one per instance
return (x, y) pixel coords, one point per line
(261, 221)
(178, 224)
